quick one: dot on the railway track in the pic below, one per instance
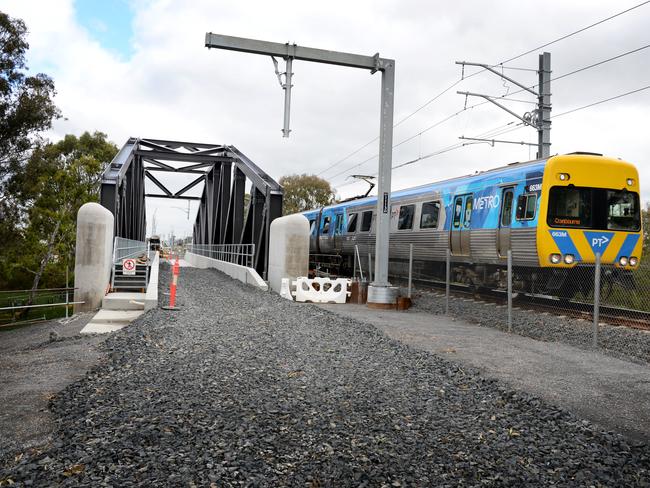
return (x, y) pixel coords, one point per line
(637, 319)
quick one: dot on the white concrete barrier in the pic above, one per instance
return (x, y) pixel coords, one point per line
(236, 271)
(151, 297)
(322, 290)
(93, 256)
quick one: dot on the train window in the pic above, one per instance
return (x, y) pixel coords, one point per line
(506, 210)
(366, 221)
(570, 207)
(430, 214)
(526, 205)
(352, 223)
(458, 211)
(468, 212)
(326, 225)
(312, 225)
(406, 213)
(338, 228)
(622, 210)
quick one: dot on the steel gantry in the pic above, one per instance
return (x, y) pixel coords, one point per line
(225, 174)
(380, 291)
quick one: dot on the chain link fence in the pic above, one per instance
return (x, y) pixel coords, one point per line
(547, 303)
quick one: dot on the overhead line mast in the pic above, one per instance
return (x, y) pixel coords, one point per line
(539, 118)
(380, 292)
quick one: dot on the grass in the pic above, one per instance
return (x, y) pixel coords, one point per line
(14, 299)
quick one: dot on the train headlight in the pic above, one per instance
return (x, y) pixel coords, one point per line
(569, 258)
(634, 261)
(623, 261)
(630, 182)
(556, 258)
(564, 176)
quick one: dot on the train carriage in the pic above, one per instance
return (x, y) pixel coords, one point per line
(553, 215)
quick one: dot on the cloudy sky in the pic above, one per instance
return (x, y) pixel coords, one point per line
(139, 68)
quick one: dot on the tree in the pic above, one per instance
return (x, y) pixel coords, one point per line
(58, 179)
(304, 192)
(26, 102)
(26, 109)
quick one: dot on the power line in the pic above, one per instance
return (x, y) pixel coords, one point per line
(504, 129)
(431, 100)
(437, 96)
(602, 101)
(576, 32)
(584, 68)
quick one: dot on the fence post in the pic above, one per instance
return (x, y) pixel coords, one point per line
(509, 290)
(67, 293)
(447, 280)
(410, 268)
(596, 300)
(358, 258)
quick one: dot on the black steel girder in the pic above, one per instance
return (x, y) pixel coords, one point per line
(224, 172)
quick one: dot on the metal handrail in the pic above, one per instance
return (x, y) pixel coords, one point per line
(127, 248)
(242, 254)
(40, 305)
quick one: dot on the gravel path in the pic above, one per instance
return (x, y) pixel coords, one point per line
(243, 388)
(617, 341)
(35, 362)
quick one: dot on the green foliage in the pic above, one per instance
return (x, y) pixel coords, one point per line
(304, 192)
(26, 109)
(26, 102)
(57, 179)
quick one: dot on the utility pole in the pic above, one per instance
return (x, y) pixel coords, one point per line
(380, 292)
(540, 118)
(544, 107)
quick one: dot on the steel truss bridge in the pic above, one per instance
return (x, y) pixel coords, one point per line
(224, 172)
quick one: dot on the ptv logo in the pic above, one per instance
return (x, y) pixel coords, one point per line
(599, 241)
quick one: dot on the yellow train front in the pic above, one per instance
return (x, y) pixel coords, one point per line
(592, 209)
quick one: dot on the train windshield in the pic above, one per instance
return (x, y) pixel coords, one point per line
(594, 208)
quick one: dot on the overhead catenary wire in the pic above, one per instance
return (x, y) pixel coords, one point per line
(438, 95)
(507, 128)
(565, 75)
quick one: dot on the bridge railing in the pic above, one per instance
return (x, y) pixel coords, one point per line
(128, 248)
(242, 254)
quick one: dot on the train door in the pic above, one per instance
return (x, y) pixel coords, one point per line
(505, 221)
(314, 224)
(460, 225)
(338, 231)
(324, 236)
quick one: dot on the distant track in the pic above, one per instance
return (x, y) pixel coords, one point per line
(637, 319)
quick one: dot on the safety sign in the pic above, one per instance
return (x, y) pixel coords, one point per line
(128, 266)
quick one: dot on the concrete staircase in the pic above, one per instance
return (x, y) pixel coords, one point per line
(119, 309)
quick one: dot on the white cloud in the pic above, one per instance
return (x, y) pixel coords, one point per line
(172, 87)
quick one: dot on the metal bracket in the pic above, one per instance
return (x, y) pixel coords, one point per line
(493, 141)
(525, 120)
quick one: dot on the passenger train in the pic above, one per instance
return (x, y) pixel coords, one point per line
(554, 215)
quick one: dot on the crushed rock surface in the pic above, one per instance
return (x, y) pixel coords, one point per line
(244, 388)
(621, 342)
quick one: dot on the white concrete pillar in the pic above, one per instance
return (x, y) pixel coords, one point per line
(94, 255)
(288, 249)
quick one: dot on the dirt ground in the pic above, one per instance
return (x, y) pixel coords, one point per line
(36, 361)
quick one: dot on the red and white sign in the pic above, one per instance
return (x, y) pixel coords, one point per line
(128, 266)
